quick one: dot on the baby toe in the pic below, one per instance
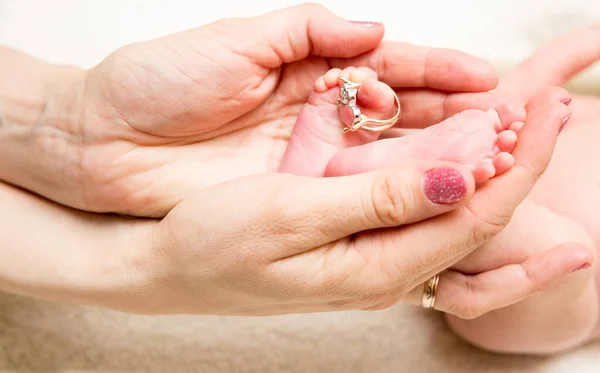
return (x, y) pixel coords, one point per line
(509, 114)
(332, 77)
(347, 72)
(503, 162)
(506, 141)
(516, 126)
(484, 171)
(321, 85)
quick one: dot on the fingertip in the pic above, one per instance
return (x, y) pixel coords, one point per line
(537, 138)
(561, 260)
(447, 185)
(552, 95)
(487, 73)
(477, 75)
(582, 256)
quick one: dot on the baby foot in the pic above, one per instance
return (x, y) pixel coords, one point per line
(318, 133)
(482, 139)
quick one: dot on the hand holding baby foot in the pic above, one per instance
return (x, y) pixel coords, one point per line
(476, 138)
(482, 140)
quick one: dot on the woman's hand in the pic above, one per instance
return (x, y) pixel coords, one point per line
(526, 264)
(280, 243)
(271, 244)
(156, 121)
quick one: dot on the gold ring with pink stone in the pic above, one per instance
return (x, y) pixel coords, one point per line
(351, 115)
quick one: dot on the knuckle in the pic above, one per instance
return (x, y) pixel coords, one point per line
(486, 226)
(307, 11)
(468, 305)
(433, 64)
(312, 8)
(391, 199)
(466, 310)
(381, 61)
(469, 312)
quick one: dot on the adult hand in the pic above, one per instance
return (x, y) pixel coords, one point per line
(513, 276)
(156, 121)
(554, 64)
(272, 243)
(281, 243)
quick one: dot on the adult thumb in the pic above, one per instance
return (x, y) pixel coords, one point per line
(291, 34)
(317, 211)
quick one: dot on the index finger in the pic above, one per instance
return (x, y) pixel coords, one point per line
(405, 65)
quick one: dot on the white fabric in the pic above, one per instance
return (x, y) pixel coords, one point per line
(44, 337)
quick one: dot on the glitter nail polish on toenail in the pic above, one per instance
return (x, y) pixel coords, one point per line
(445, 185)
(581, 267)
(567, 101)
(564, 123)
(365, 24)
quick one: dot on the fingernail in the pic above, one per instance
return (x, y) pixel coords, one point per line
(583, 266)
(445, 185)
(567, 101)
(564, 123)
(365, 24)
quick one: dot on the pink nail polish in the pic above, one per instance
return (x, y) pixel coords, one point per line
(564, 123)
(366, 24)
(583, 266)
(445, 185)
(567, 101)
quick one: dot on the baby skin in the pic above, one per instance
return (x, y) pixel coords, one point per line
(318, 146)
(482, 140)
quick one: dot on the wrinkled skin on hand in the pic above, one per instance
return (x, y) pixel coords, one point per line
(159, 120)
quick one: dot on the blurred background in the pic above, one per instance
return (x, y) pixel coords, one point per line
(43, 337)
(503, 32)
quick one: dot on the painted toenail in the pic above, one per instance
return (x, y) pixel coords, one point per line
(581, 267)
(445, 185)
(564, 123)
(567, 101)
(365, 23)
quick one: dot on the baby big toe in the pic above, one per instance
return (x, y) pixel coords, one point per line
(376, 99)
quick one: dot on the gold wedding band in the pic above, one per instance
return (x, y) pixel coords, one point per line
(347, 100)
(429, 292)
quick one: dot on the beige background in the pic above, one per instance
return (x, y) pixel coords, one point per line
(42, 337)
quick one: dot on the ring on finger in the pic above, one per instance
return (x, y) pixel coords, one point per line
(429, 292)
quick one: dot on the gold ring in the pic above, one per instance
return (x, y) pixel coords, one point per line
(354, 118)
(429, 291)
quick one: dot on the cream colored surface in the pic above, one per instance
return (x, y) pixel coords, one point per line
(43, 337)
